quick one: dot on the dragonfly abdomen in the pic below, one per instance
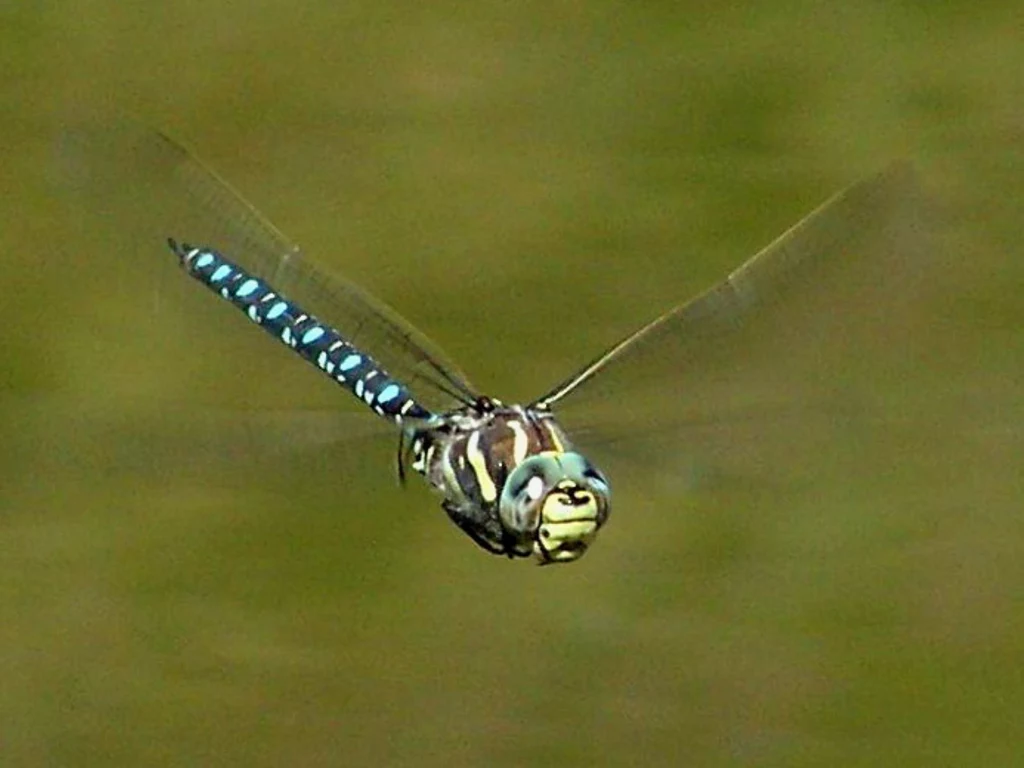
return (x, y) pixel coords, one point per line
(316, 342)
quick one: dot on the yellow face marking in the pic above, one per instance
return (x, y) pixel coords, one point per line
(520, 442)
(558, 511)
(478, 462)
(571, 532)
(564, 542)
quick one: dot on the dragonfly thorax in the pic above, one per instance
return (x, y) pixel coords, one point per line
(512, 481)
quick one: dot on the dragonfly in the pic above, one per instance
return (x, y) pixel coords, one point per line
(511, 476)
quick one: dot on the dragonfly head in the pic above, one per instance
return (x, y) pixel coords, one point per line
(552, 505)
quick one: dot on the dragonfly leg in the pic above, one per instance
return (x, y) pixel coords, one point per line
(482, 528)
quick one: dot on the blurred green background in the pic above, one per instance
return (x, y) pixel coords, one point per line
(497, 171)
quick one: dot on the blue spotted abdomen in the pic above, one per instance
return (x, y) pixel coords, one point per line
(318, 343)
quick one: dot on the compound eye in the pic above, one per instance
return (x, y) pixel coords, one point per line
(595, 477)
(534, 488)
(524, 493)
(531, 486)
(585, 473)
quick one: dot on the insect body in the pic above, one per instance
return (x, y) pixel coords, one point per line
(509, 475)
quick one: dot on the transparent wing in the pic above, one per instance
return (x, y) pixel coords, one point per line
(820, 323)
(129, 170)
(132, 438)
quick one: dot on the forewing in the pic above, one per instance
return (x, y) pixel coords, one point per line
(132, 172)
(819, 325)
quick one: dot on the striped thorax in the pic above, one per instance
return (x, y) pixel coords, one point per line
(511, 479)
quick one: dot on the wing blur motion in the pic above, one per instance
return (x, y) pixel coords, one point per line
(153, 189)
(824, 315)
